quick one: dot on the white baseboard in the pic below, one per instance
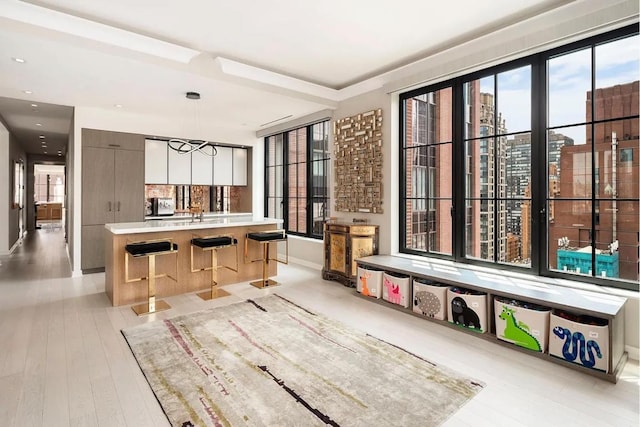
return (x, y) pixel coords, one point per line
(634, 352)
(13, 248)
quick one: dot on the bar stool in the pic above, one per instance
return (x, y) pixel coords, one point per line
(213, 244)
(265, 238)
(149, 249)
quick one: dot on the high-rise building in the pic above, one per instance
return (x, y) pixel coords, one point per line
(493, 184)
(615, 145)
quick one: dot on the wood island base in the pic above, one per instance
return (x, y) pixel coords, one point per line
(122, 293)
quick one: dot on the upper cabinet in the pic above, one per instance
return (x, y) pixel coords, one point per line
(201, 169)
(166, 166)
(239, 166)
(223, 166)
(179, 167)
(155, 162)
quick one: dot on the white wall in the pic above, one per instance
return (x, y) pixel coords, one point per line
(5, 189)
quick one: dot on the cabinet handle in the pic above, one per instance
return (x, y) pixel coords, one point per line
(118, 206)
(114, 145)
(109, 203)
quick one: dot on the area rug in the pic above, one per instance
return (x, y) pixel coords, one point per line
(269, 362)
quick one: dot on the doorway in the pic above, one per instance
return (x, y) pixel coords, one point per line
(49, 196)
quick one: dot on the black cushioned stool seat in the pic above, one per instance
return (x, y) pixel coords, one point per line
(213, 244)
(146, 248)
(265, 238)
(149, 250)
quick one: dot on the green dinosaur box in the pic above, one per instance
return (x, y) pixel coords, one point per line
(583, 340)
(522, 324)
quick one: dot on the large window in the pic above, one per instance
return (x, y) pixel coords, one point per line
(297, 178)
(531, 165)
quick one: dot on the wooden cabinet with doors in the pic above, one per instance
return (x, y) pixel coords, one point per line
(112, 188)
(343, 244)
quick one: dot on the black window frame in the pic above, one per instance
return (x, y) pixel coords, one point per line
(539, 265)
(311, 198)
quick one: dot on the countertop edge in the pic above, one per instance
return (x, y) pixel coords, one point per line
(181, 225)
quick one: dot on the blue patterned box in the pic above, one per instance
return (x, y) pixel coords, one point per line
(584, 344)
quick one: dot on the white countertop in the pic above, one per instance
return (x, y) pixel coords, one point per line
(187, 216)
(219, 221)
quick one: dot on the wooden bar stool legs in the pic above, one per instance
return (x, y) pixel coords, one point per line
(149, 250)
(212, 244)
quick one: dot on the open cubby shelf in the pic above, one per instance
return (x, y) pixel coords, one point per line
(517, 287)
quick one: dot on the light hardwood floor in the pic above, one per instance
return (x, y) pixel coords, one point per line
(63, 360)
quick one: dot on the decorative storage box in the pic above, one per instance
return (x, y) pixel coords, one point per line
(430, 299)
(369, 282)
(522, 323)
(395, 288)
(579, 339)
(467, 308)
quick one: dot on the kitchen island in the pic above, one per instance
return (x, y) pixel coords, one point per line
(181, 232)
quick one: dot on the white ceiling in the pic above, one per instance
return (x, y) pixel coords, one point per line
(253, 61)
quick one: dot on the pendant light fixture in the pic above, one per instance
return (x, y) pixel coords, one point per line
(187, 146)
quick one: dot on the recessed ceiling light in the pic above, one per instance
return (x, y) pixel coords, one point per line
(45, 152)
(59, 154)
(20, 60)
(38, 124)
(41, 137)
(34, 105)
(118, 105)
(28, 92)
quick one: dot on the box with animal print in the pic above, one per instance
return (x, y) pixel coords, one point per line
(430, 299)
(369, 282)
(395, 289)
(467, 308)
(522, 323)
(579, 339)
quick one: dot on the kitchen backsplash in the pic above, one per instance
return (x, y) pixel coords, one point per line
(236, 199)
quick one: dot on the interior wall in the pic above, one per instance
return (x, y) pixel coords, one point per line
(5, 186)
(69, 202)
(16, 215)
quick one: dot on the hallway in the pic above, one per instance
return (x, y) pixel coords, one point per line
(64, 362)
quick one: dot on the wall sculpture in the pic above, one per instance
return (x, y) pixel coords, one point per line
(358, 162)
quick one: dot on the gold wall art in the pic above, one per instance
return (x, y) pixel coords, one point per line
(358, 162)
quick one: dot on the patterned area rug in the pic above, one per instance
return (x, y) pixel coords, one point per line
(269, 362)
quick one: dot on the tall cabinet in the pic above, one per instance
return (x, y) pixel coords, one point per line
(112, 187)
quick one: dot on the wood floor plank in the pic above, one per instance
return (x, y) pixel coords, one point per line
(68, 363)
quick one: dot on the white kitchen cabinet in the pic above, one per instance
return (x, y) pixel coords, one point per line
(155, 162)
(201, 169)
(179, 168)
(223, 166)
(239, 166)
